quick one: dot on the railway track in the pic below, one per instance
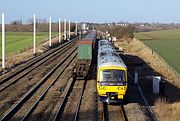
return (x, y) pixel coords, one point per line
(34, 63)
(23, 109)
(16, 90)
(113, 113)
(68, 107)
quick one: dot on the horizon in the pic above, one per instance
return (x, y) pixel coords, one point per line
(94, 11)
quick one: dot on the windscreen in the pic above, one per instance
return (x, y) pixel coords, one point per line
(112, 76)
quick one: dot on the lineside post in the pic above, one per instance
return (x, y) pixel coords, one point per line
(76, 28)
(69, 30)
(50, 31)
(136, 78)
(59, 30)
(80, 34)
(64, 29)
(3, 42)
(156, 82)
(34, 34)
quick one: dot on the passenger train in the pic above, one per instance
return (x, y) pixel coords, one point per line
(111, 74)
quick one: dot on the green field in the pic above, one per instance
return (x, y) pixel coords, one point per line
(17, 41)
(166, 43)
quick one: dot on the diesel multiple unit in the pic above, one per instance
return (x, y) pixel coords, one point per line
(111, 73)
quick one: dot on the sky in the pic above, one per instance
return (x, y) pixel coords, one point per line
(163, 11)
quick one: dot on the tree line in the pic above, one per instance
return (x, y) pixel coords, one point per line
(41, 26)
(118, 31)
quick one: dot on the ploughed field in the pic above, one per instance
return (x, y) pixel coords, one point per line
(16, 42)
(166, 43)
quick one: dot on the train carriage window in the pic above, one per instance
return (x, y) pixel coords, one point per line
(112, 76)
(105, 75)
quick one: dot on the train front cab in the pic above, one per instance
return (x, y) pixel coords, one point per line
(112, 84)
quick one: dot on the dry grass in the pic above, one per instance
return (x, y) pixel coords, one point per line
(166, 111)
(136, 48)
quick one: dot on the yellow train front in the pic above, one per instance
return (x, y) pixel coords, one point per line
(112, 74)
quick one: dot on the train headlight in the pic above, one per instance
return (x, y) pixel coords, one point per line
(120, 88)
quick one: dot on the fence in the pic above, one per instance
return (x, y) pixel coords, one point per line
(155, 54)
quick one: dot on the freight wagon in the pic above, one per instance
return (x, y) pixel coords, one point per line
(85, 55)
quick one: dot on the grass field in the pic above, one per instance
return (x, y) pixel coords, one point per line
(17, 41)
(166, 43)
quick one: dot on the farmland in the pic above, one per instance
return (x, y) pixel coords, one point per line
(166, 43)
(15, 42)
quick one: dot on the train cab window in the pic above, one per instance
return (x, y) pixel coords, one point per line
(112, 76)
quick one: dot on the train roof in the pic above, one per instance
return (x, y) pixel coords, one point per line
(105, 46)
(106, 59)
(104, 42)
(107, 55)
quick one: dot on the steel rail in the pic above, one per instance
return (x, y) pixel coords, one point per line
(26, 96)
(27, 115)
(58, 113)
(30, 65)
(61, 106)
(123, 113)
(79, 101)
(104, 112)
(149, 109)
(35, 60)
